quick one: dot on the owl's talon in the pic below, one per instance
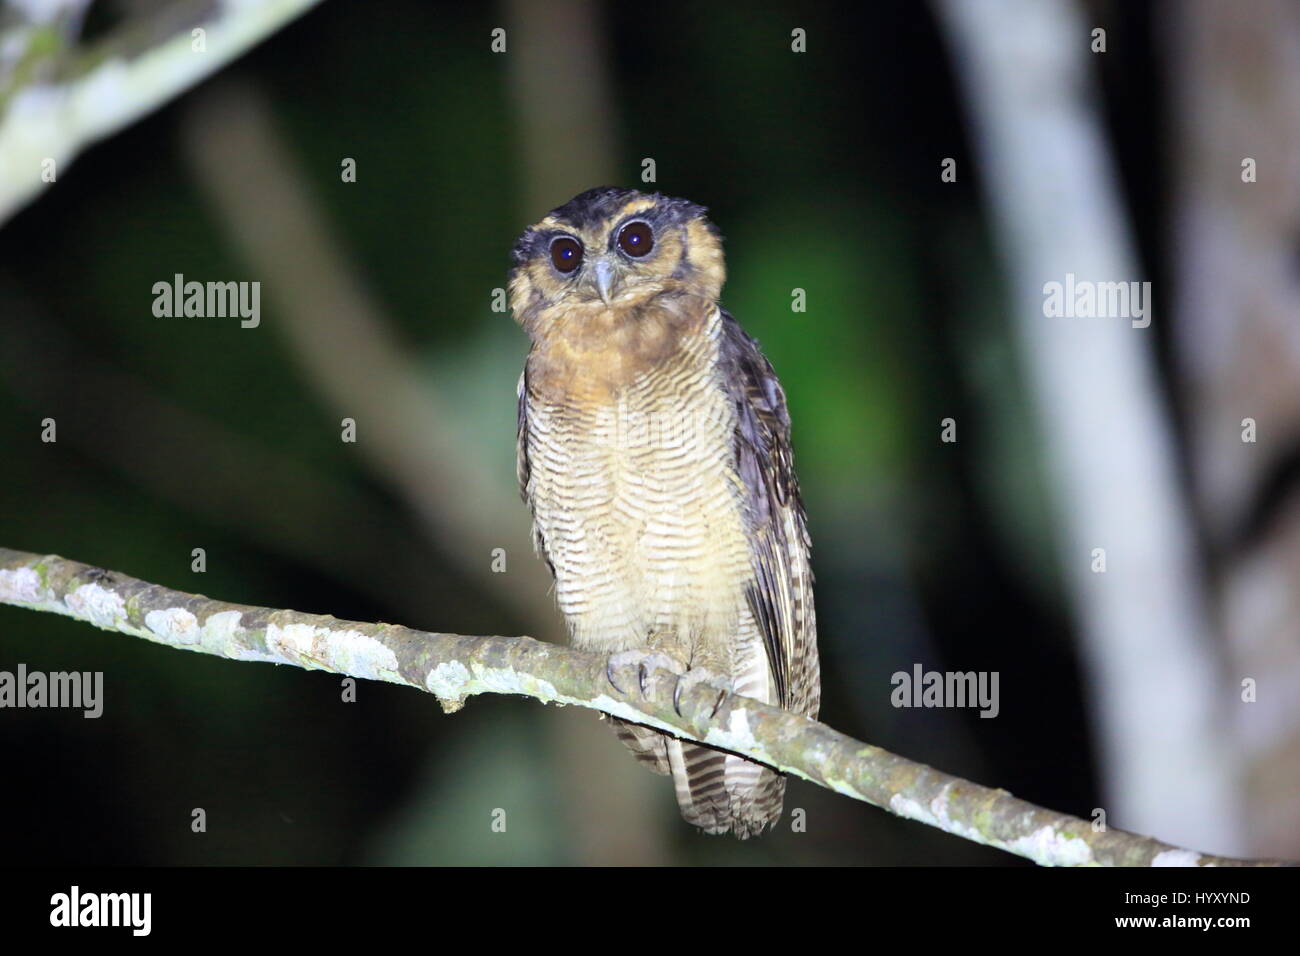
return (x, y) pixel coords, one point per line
(698, 675)
(717, 704)
(609, 676)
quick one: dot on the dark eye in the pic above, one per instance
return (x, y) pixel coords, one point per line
(566, 253)
(636, 239)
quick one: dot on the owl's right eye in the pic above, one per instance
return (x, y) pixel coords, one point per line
(566, 253)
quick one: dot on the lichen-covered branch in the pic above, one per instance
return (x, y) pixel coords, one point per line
(56, 98)
(454, 667)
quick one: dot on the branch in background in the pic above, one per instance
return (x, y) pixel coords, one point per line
(566, 50)
(454, 667)
(55, 99)
(1147, 646)
(346, 345)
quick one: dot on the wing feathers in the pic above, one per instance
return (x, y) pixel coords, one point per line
(781, 596)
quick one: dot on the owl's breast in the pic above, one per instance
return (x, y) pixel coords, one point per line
(640, 509)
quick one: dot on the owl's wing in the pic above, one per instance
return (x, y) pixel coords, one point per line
(523, 469)
(781, 597)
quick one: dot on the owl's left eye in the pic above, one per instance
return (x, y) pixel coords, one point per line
(636, 239)
(566, 254)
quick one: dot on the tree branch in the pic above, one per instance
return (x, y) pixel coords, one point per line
(56, 99)
(454, 667)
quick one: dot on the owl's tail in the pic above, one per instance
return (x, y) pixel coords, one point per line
(723, 793)
(716, 791)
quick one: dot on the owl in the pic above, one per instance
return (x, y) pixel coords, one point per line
(654, 454)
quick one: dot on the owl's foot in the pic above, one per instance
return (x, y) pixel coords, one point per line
(643, 664)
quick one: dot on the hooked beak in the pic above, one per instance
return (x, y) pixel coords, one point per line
(603, 273)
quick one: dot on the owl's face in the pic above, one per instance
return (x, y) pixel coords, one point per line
(612, 251)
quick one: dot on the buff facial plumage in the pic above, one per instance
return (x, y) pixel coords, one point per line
(654, 301)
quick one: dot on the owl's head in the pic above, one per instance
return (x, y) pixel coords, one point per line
(612, 250)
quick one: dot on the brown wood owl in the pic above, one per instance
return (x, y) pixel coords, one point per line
(654, 454)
